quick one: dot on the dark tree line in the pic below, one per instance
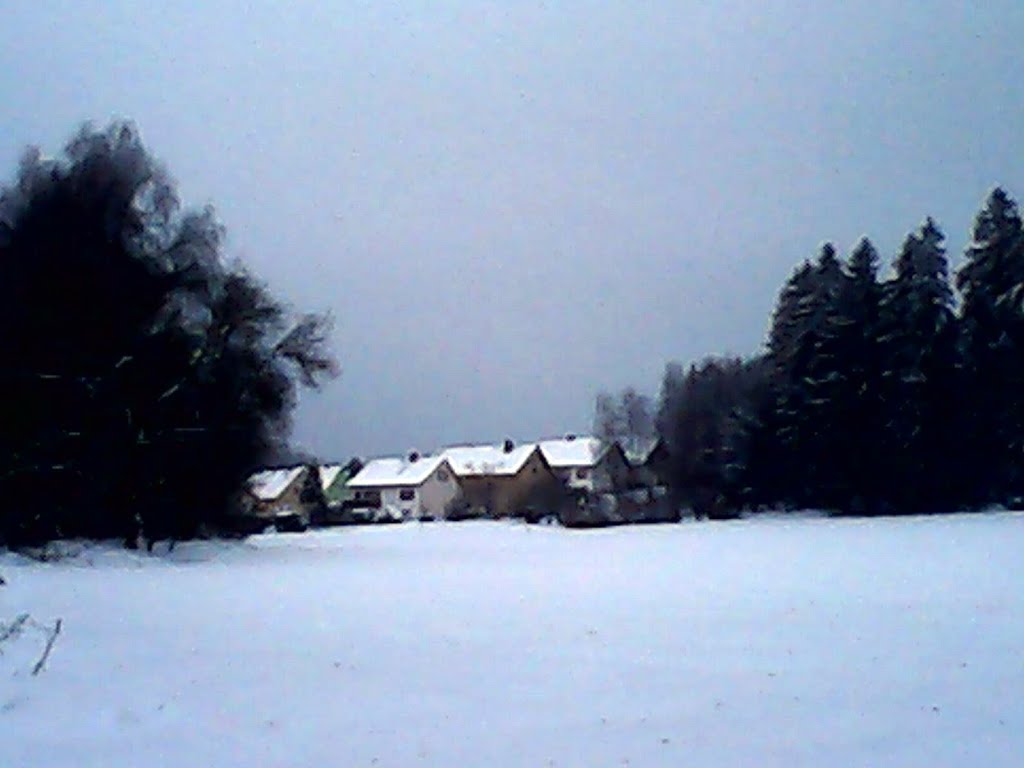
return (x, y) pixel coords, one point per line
(702, 413)
(872, 395)
(142, 377)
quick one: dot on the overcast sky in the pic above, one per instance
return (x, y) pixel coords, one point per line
(509, 206)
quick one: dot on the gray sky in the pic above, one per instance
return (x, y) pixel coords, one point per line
(508, 206)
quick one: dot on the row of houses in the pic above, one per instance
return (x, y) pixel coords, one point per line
(580, 480)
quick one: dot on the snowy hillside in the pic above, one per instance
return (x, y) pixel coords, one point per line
(753, 643)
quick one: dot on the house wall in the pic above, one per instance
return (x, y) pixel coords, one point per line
(438, 492)
(567, 476)
(505, 495)
(654, 471)
(430, 499)
(289, 500)
(610, 473)
(643, 476)
(660, 467)
(394, 506)
(365, 497)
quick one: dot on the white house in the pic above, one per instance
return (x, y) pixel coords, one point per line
(413, 488)
(587, 463)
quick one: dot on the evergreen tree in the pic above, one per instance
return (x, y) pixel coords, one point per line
(747, 477)
(858, 418)
(919, 376)
(774, 440)
(992, 284)
(846, 385)
(818, 375)
(804, 370)
(784, 331)
(670, 401)
(702, 421)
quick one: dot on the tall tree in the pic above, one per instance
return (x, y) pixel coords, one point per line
(773, 441)
(785, 325)
(627, 418)
(856, 417)
(803, 368)
(700, 418)
(919, 375)
(607, 419)
(992, 284)
(142, 376)
(749, 444)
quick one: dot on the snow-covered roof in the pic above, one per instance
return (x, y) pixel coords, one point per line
(638, 451)
(476, 460)
(328, 474)
(271, 483)
(379, 473)
(573, 451)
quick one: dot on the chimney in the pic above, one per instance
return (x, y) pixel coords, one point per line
(414, 456)
(570, 437)
(509, 446)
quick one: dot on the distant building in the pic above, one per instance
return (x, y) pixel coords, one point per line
(612, 488)
(334, 479)
(587, 464)
(276, 496)
(504, 480)
(414, 488)
(649, 462)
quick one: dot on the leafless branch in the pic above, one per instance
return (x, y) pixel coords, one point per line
(50, 640)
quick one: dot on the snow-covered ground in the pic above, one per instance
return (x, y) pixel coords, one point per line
(805, 642)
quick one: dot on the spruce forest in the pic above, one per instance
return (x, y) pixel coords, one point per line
(896, 393)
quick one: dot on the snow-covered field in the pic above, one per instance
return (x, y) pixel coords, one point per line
(805, 642)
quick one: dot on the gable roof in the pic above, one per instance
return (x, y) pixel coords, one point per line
(573, 451)
(390, 472)
(328, 474)
(480, 460)
(271, 483)
(639, 451)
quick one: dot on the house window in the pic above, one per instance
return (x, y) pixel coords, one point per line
(582, 473)
(407, 494)
(442, 476)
